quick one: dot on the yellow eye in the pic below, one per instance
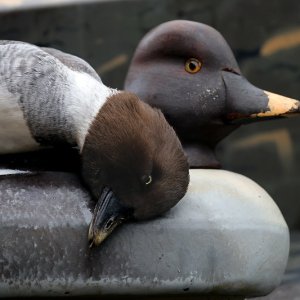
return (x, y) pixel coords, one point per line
(193, 65)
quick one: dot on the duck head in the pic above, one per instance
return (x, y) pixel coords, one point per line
(133, 162)
(188, 71)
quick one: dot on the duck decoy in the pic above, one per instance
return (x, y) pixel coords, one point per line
(132, 160)
(221, 239)
(188, 70)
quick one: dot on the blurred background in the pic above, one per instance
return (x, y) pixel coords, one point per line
(264, 36)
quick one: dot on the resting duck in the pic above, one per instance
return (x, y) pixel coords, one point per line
(188, 71)
(132, 160)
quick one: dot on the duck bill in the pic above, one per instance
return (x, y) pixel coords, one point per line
(247, 103)
(108, 214)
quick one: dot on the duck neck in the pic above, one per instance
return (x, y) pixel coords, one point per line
(86, 97)
(201, 156)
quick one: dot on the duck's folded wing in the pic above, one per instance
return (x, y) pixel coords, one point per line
(72, 62)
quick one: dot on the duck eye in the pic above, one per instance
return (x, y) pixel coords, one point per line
(193, 65)
(147, 179)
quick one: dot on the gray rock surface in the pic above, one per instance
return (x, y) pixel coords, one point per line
(226, 237)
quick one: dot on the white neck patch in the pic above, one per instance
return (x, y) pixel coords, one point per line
(85, 99)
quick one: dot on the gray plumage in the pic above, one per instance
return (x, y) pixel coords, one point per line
(72, 62)
(39, 78)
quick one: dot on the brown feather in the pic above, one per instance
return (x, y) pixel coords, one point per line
(127, 141)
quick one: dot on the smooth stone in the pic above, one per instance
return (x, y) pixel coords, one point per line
(225, 237)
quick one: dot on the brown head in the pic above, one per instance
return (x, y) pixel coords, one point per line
(133, 162)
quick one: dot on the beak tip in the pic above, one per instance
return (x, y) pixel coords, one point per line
(280, 106)
(98, 238)
(90, 233)
(95, 237)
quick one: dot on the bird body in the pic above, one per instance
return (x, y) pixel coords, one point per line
(131, 158)
(44, 101)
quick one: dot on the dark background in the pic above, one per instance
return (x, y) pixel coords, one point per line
(264, 35)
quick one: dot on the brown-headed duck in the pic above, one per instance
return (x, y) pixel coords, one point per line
(132, 161)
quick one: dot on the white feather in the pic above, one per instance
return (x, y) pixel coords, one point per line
(15, 135)
(85, 99)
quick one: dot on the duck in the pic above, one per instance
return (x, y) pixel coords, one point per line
(188, 71)
(132, 161)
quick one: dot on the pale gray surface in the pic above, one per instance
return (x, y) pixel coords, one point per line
(225, 237)
(290, 285)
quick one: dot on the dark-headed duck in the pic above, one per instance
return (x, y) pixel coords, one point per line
(132, 160)
(188, 71)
